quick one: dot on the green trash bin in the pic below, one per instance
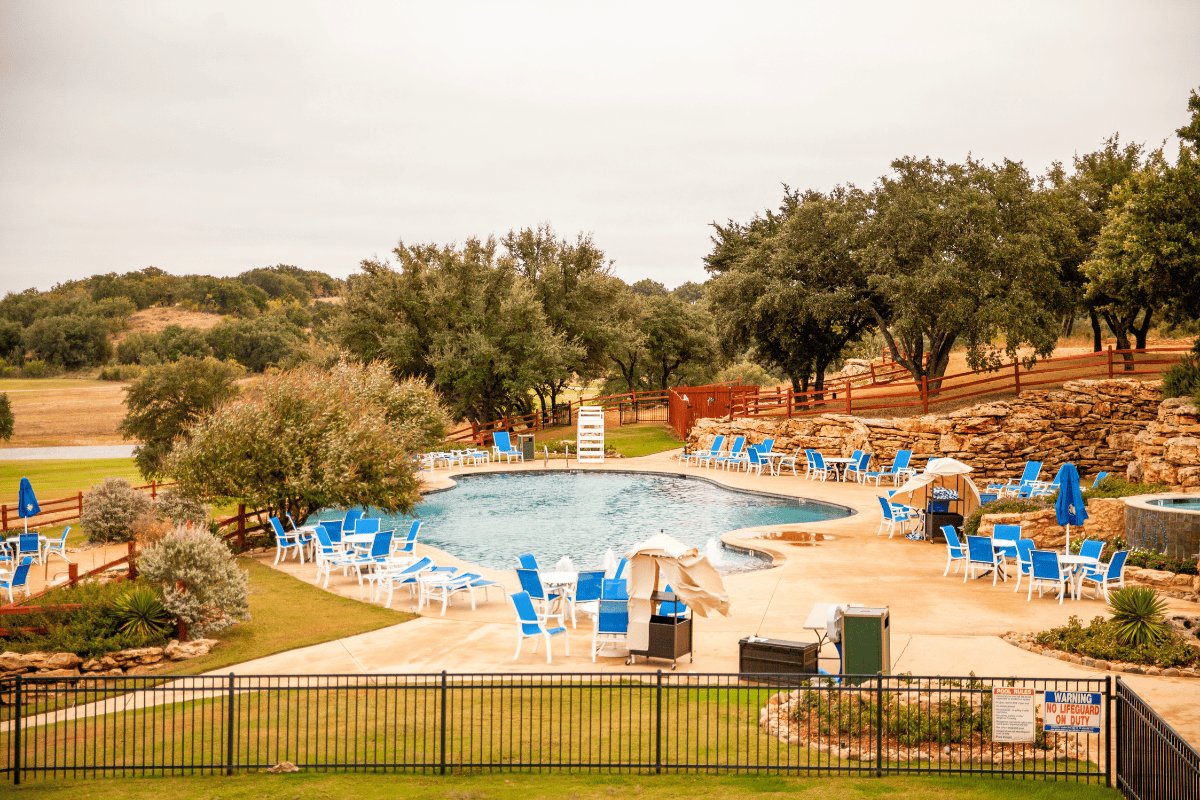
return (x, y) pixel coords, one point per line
(526, 445)
(866, 642)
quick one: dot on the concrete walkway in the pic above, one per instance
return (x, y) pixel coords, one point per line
(940, 626)
(83, 452)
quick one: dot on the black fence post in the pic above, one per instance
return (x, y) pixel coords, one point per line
(17, 700)
(229, 715)
(442, 746)
(1108, 730)
(658, 725)
(879, 724)
(1120, 732)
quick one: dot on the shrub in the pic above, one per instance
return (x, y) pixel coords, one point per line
(1003, 506)
(38, 369)
(256, 344)
(140, 612)
(70, 341)
(1139, 614)
(1183, 379)
(93, 630)
(1119, 486)
(1101, 639)
(214, 593)
(179, 508)
(110, 510)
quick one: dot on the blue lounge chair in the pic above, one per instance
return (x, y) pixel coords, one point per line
(672, 608)
(1045, 569)
(531, 624)
(586, 596)
(527, 561)
(612, 624)
(286, 542)
(407, 576)
(898, 470)
(1104, 576)
(408, 545)
(701, 455)
(954, 549)
(1024, 560)
(1014, 486)
(982, 556)
(1039, 488)
(503, 447)
(459, 583)
(734, 454)
(57, 547)
(1100, 476)
(859, 468)
(894, 515)
(19, 579)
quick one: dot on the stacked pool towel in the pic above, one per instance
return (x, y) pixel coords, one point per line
(942, 493)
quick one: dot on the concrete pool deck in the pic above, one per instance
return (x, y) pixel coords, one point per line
(940, 626)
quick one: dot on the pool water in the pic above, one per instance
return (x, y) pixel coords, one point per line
(491, 519)
(1186, 503)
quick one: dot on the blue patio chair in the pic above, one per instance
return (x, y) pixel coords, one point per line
(612, 624)
(790, 462)
(982, 556)
(1039, 488)
(405, 576)
(586, 596)
(503, 447)
(894, 515)
(859, 468)
(30, 544)
(624, 562)
(1005, 540)
(348, 521)
(367, 525)
(366, 565)
(1024, 560)
(734, 454)
(57, 547)
(527, 561)
(1091, 548)
(700, 455)
(819, 468)
(1100, 476)
(987, 497)
(766, 446)
(285, 542)
(809, 464)
(531, 582)
(615, 589)
(464, 582)
(672, 608)
(752, 461)
(898, 470)
(329, 555)
(1014, 486)
(954, 549)
(1104, 576)
(408, 545)
(1045, 569)
(531, 624)
(19, 579)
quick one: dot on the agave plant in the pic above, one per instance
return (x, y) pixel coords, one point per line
(140, 613)
(1140, 615)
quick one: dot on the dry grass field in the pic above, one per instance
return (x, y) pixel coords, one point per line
(52, 412)
(155, 318)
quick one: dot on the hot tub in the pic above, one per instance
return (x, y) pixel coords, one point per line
(1164, 523)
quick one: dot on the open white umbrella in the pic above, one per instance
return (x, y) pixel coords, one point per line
(945, 473)
(688, 572)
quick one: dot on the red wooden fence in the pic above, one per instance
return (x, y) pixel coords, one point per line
(56, 512)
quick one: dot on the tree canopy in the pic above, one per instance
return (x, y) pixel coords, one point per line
(308, 439)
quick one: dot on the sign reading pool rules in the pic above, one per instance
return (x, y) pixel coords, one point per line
(1012, 714)
(1072, 712)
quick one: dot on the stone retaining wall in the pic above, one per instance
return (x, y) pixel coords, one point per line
(1106, 521)
(1092, 423)
(135, 661)
(1168, 449)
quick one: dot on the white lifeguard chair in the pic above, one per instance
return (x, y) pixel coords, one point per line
(589, 435)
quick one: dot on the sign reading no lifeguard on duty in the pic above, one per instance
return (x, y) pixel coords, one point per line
(1072, 712)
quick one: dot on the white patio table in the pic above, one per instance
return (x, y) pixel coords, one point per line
(1072, 560)
(839, 466)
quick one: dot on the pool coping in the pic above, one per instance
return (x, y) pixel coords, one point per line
(776, 558)
(1143, 501)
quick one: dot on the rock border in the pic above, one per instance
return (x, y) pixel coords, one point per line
(134, 661)
(1026, 641)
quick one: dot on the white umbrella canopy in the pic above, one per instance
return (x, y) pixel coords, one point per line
(688, 572)
(946, 473)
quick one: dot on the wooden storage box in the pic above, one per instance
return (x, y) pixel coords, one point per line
(778, 657)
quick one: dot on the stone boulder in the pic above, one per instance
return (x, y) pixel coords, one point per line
(61, 661)
(180, 651)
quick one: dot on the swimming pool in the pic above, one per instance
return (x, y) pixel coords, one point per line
(491, 519)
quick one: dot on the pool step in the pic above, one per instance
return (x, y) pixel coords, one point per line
(589, 435)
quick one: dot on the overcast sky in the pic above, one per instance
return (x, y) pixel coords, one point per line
(218, 137)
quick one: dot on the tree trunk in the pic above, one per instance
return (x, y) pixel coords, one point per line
(1120, 326)
(1095, 318)
(1139, 333)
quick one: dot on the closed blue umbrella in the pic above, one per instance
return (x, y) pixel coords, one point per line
(27, 504)
(1069, 508)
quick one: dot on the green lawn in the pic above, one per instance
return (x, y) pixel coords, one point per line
(517, 786)
(288, 613)
(55, 478)
(641, 439)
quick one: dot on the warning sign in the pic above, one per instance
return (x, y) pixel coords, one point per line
(1012, 714)
(1072, 712)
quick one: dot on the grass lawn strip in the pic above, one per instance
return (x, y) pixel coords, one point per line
(53, 479)
(286, 614)
(518, 786)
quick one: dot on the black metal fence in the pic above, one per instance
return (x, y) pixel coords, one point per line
(642, 411)
(1153, 762)
(650, 722)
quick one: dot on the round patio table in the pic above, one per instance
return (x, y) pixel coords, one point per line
(1072, 560)
(843, 462)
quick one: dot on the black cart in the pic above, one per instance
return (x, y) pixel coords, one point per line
(670, 637)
